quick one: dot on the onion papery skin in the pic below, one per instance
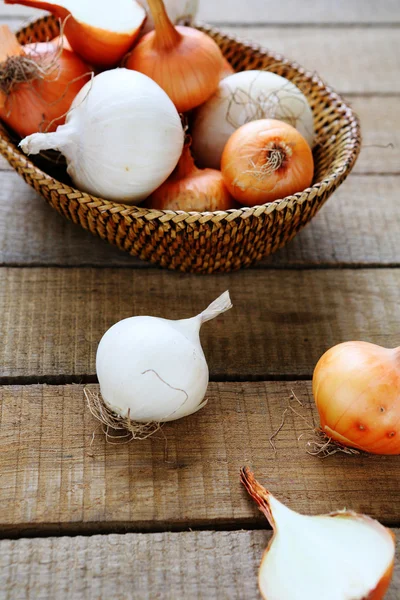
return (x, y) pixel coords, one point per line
(192, 189)
(98, 46)
(42, 104)
(186, 63)
(245, 162)
(228, 70)
(356, 386)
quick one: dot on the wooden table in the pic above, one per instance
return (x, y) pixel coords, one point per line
(168, 518)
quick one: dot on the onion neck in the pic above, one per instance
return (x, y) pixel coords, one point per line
(167, 37)
(57, 140)
(186, 166)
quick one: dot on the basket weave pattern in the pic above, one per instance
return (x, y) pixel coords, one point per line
(214, 241)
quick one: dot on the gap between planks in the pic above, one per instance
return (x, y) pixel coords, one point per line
(186, 565)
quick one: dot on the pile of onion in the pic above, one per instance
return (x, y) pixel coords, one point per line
(241, 98)
(38, 83)
(118, 155)
(356, 387)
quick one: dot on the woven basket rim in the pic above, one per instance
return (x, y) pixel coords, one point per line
(337, 176)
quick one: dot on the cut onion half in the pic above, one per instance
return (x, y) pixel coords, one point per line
(339, 556)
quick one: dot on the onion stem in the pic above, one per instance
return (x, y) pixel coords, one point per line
(167, 36)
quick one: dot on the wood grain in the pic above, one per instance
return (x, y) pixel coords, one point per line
(32, 234)
(268, 12)
(196, 565)
(57, 477)
(51, 320)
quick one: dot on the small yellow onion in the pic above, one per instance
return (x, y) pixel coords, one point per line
(356, 387)
(339, 556)
(185, 62)
(192, 189)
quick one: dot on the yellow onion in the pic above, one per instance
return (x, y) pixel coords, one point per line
(192, 189)
(185, 62)
(356, 387)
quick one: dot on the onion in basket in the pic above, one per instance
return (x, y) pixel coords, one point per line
(266, 160)
(122, 138)
(100, 31)
(192, 189)
(185, 62)
(339, 556)
(241, 98)
(38, 83)
(152, 371)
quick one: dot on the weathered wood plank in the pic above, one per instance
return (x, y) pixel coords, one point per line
(195, 565)
(341, 234)
(52, 319)
(342, 57)
(285, 11)
(56, 476)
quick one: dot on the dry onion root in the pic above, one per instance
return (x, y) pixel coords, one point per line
(151, 371)
(339, 556)
(118, 429)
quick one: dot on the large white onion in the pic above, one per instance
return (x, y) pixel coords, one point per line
(154, 370)
(241, 98)
(177, 10)
(122, 138)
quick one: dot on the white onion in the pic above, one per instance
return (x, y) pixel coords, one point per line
(177, 10)
(154, 370)
(122, 138)
(241, 98)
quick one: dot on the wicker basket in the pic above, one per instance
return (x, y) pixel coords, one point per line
(218, 241)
